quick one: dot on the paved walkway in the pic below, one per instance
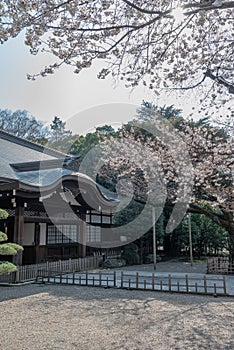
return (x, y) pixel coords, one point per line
(179, 269)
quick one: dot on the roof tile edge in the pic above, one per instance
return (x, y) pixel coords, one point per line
(35, 146)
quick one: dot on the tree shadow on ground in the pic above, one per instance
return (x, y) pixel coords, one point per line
(184, 321)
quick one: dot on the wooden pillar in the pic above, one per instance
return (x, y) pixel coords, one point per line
(82, 216)
(18, 232)
(37, 242)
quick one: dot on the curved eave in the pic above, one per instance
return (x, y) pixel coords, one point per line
(71, 181)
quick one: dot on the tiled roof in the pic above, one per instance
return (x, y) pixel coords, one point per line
(15, 150)
(34, 165)
(30, 145)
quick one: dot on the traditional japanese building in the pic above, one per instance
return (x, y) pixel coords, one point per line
(55, 212)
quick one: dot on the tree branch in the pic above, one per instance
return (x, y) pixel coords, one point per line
(219, 219)
(150, 12)
(212, 5)
(220, 80)
(196, 209)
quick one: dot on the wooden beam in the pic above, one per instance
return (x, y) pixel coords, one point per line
(82, 216)
(18, 232)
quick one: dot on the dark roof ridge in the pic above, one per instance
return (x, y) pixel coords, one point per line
(35, 146)
(44, 164)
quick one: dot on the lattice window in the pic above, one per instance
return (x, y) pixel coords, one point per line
(93, 233)
(61, 234)
(11, 212)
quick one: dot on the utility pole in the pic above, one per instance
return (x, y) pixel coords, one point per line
(190, 239)
(154, 238)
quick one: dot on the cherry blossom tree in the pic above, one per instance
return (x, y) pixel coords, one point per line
(183, 44)
(190, 168)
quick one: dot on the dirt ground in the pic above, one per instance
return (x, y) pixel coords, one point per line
(41, 317)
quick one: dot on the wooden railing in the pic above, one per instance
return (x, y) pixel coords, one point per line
(220, 265)
(140, 281)
(30, 272)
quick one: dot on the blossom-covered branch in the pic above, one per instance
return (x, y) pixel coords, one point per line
(162, 44)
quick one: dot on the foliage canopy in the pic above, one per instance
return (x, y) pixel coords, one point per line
(180, 44)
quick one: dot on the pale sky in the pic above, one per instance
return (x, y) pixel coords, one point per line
(66, 94)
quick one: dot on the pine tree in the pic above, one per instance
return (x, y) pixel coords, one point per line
(58, 130)
(7, 249)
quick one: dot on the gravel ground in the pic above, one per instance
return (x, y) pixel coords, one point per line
(44, 317)
(38, 316)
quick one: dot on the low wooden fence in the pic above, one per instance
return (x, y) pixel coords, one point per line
(30, 272)
(220, 265)
(153, 282)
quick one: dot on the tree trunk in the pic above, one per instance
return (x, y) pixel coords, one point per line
(225, 220)
(230, 229)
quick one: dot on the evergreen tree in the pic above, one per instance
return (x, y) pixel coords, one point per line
(58, 130)
(7, 249)
(59, 134)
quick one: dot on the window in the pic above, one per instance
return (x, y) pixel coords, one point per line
(60, 234)
(106, 219)
(93, 233)
(96, 219)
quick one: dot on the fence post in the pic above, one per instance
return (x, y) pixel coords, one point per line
(152, 281)
(137, 280)
(100, 278)
(186, 282)
(215, 290)
(17, 275)
(224, 285)
(73, 277)
(114, 278)
(205, 284)
(121, 281)
(169, 282)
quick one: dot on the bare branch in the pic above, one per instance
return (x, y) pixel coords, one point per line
(151, 12)
(220, 80)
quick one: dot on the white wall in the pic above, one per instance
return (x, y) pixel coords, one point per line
(42, 234)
